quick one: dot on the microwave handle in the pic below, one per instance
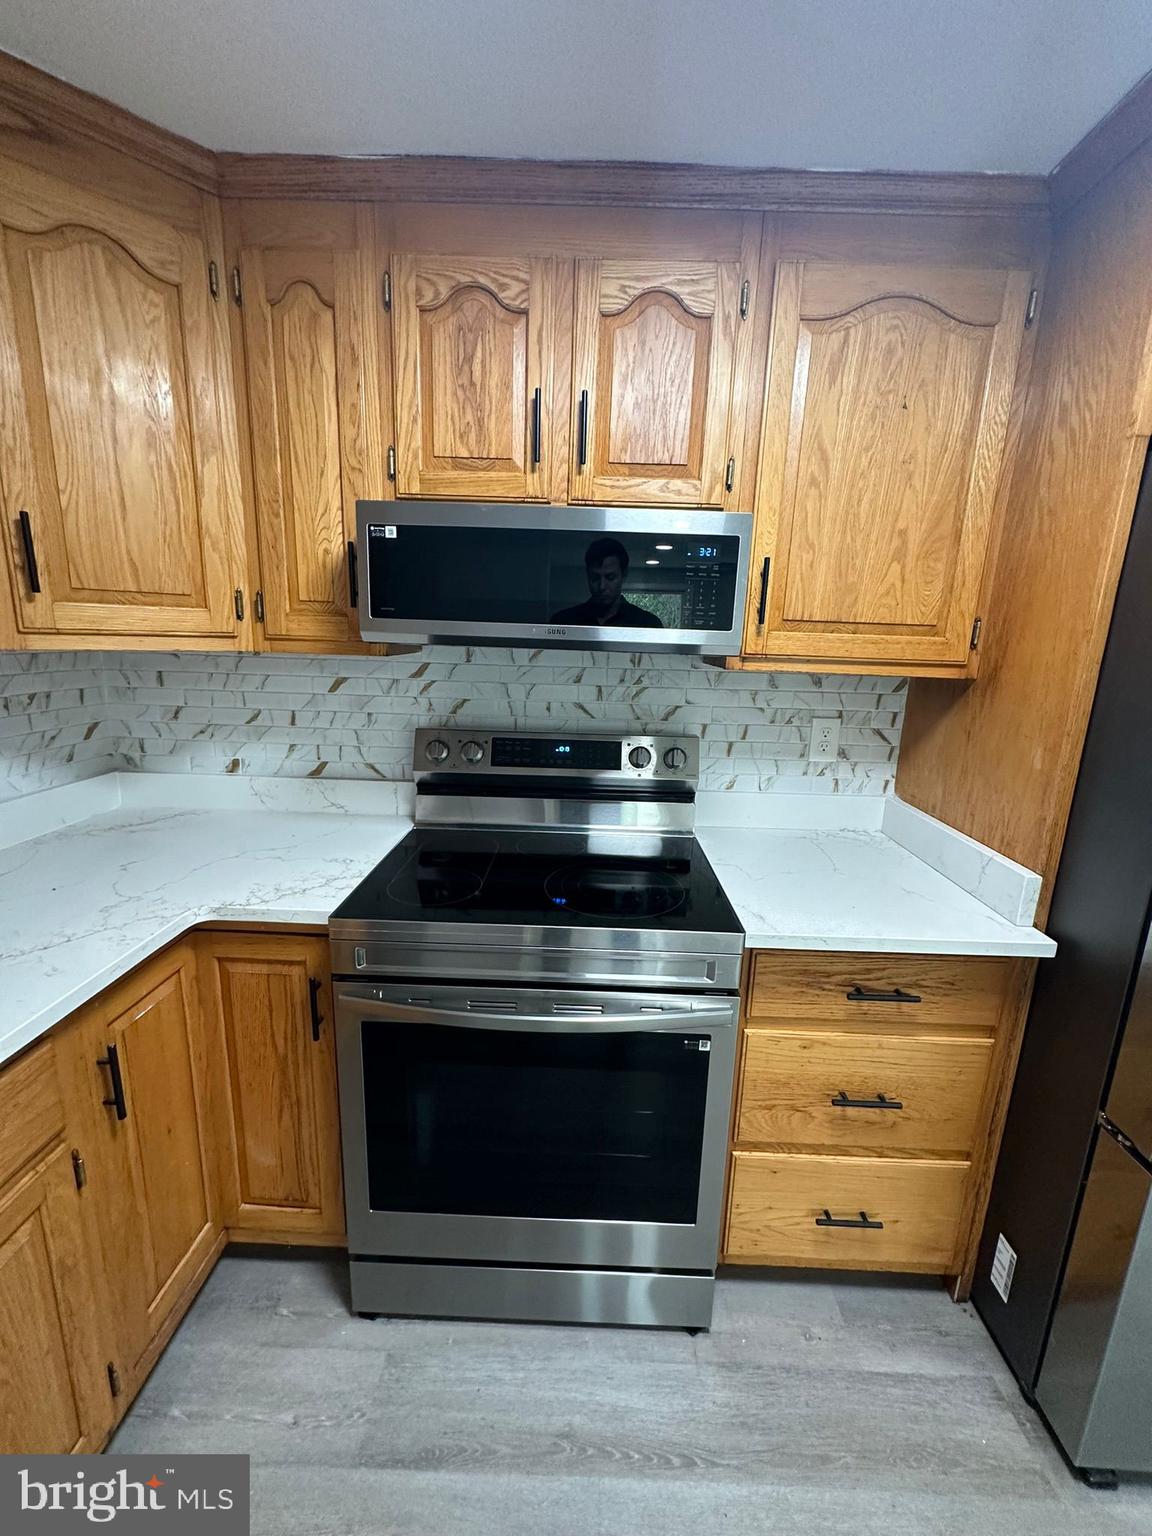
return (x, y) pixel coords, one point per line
(541, 1023)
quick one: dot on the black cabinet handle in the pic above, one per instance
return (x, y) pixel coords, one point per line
(762, 606)
(897, 995)
(31, 569)
(314, 1005)
(537, 410)
(861, 1222)
(881, 1101)
(112, 1062)
(582, 437)
(353, 584)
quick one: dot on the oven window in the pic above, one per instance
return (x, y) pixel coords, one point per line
(491, 1122)
(489, 575)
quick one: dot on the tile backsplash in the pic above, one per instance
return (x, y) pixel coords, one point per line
(67, 716)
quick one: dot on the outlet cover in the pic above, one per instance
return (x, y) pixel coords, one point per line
(824, 742)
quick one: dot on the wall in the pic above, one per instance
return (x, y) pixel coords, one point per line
(65, 716)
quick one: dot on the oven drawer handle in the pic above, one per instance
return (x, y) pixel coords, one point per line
(560, 1023)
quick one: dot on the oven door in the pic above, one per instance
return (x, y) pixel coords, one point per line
(535, 1127)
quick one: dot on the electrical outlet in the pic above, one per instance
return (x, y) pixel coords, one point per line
(824, 742)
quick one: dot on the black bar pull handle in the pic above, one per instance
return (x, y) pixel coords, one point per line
(762, 605)
(31, 569)
(537, 413)
(897, 995)
(582, 436)
(881, 1101)
(353, 583)
(117, 1101)
(860, 1223)
(314, 986)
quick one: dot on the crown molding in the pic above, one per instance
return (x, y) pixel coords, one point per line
(1103, 148)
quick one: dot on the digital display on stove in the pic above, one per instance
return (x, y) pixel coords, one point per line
(522, 752)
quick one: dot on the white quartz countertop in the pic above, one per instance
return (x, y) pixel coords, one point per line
(82, 905)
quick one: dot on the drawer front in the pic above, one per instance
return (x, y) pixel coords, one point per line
(874, 1093)
(31, 1111)
(776, 1202)
(879, 991)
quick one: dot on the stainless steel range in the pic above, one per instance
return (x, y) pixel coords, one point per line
(537, 1015)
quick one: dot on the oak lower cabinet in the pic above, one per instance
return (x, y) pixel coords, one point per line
(867, 1090)
(886, 417)
(55, 1393)
(137, 1092)
(268, 999)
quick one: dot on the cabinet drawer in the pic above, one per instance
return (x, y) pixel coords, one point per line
(878, 991)
(791, 1080)
(31, 1111)
(776, 1202)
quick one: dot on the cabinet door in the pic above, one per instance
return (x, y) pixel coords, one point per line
(116, 455)
(474, 364)
(54, 1395)
(888, 397)
(135, 1068)
(311, 348)
(271, 999)
(652, 381)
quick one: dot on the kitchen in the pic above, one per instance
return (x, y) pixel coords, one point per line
(543, 702)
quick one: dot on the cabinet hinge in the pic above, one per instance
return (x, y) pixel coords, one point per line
(386, 290)
(977, 625)
(258, 604)
(238, 604)
(730, 475)
(79, 1171)
(391, 462)
(237, 287)
(745, 290)
(1030, 308)
(213, 279)
(113, 1380)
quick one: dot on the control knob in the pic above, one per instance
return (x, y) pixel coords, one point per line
(675, 757)
(436, 751)
(639, 757)
(472, 752)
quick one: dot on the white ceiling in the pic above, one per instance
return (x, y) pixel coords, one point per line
(918, 85)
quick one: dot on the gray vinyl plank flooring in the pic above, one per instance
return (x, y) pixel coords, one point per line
(816, 1405)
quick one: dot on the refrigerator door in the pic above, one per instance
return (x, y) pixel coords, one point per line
(1129, 1101)
(1095, 1386)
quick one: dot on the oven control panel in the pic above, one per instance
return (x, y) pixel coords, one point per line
(616, 758)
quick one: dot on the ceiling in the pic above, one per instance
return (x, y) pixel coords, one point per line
(915, 85)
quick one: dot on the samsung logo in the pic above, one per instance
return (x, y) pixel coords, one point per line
(556, 629)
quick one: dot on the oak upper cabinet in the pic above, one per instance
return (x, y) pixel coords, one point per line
(474, 345)
(652, 381)
(310, 307)
(270, 997)
(886, 415)
(118, 470)
(133, 1063)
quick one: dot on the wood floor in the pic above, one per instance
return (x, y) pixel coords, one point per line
(816, 1406)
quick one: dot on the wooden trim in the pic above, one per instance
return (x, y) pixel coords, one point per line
(1103, 147)
(28, 94)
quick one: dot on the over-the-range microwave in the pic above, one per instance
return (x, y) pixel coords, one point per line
(592, 578)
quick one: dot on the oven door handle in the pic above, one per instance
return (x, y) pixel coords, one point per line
(543, 1023)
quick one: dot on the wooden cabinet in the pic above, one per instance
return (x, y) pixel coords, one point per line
(55, 1395)
(885, 422)
(118, 467)
(653, 377)
(312, 348)
(477, 372)
(134, 1067)
(270, 998)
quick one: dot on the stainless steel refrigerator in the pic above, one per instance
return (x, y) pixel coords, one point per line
(1064, 1277)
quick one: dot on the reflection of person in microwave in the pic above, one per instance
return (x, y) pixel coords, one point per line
(606, 566)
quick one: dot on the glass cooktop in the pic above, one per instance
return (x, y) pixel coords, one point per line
(544, 879)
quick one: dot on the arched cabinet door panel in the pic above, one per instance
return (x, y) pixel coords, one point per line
(887, 411)
(118, 467)
(474, 357)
